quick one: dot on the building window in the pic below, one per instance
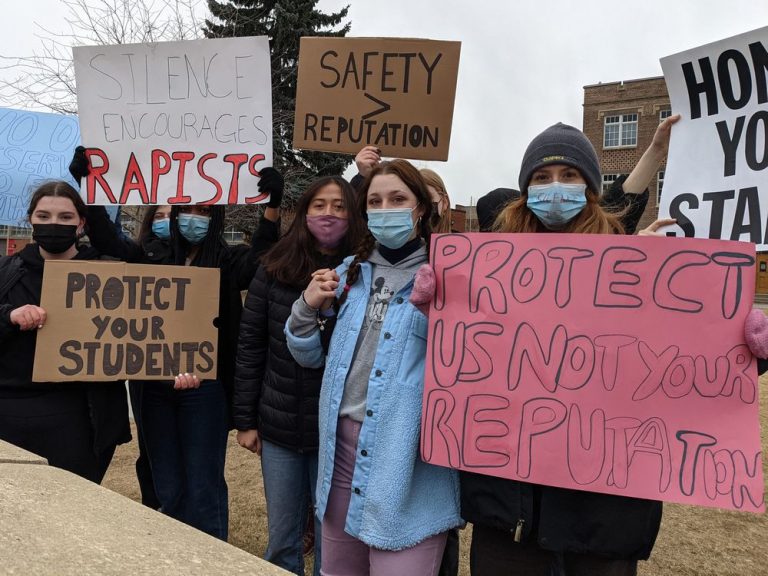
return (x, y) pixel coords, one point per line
(608, 180)
(620, 130)
(659, 185)
(664, 114)
(15, 231)
(233, 236)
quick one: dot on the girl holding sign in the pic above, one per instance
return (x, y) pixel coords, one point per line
(276, 400)
(531, 529)
(186, 422)
(74, 425)
(383, 510)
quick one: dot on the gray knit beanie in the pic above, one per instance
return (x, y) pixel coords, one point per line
(562, 144)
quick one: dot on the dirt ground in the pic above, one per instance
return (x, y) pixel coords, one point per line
(693, 541)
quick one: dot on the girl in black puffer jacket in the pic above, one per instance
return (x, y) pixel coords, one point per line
(275, 399)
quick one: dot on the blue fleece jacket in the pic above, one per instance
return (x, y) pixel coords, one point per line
(397, 499)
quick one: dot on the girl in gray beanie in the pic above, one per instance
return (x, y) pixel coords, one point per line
(560, 183)
(535, 530)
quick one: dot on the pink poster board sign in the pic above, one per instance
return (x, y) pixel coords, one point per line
(610, 364)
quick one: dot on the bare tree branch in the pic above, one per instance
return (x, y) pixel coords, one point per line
(46, 79)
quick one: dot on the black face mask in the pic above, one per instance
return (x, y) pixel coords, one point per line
(54, 238)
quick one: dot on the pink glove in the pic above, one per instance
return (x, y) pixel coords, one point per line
(756, 333)
(423, 288)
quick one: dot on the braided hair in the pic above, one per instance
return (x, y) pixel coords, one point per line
(411, 177)
(213, 245)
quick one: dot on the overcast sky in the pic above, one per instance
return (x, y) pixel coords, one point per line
(523, 64)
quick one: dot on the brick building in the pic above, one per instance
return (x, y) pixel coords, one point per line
(620, 119)
(464, 218)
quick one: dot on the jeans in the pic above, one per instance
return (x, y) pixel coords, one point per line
(289, 484)
(186, 439)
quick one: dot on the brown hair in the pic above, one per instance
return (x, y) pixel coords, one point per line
(416, 184)
(593, 219)
(294, 257)
(60, 189)
(432, 178)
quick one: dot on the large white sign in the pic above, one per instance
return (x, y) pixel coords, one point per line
(716, 182)
(175, 122)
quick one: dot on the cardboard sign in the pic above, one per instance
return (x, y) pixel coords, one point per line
(394, 93)
(34, 147)
(175, 122)
(610, 364)
(716, 181)
(112, 321)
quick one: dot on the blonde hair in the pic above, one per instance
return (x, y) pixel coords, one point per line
(433, 179)
(593, 219)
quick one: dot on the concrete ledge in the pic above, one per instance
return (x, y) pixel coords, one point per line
(53, 522)
(10, 454)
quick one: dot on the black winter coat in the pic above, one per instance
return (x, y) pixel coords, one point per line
(107, 400)
(562, 520)
(565, 520)
(273, 394)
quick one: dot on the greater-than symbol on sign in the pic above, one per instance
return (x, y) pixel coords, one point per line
(384, 106)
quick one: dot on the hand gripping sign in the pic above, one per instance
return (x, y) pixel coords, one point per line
(110, 321)
(175, 122)
(716, 181)
(608, 363)
(393, 93)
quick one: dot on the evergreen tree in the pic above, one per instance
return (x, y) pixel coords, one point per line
(284, 22)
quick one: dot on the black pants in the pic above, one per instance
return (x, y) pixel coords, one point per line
(449, 566)
(57, 426)
(143, 470)
(495, 553)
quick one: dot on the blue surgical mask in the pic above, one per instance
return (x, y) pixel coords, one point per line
(162, 228)
(193, 227)
(556, 204)
(391, 227)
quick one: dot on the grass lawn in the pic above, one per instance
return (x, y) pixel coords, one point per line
(693, 541)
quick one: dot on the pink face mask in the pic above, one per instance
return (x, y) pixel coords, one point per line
(327, 230)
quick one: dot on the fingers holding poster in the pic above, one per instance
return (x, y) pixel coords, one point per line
(112, 321)
(715, 181)
(611, 364)
(175, 122)
(393, 93)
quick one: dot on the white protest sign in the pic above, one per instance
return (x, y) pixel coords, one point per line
(716, 181)
(175, 122)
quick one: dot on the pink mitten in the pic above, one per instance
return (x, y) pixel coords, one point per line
(756, 333)
(423, 288)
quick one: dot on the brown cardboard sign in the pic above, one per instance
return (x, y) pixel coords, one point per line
(112, 321)
(393, 93)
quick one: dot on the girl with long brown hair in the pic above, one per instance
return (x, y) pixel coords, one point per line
(532, 529)
(275, 399)
(383, 510)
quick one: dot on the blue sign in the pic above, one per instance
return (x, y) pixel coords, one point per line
(34, 147)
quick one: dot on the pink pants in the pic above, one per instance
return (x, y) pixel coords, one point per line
(345, 555)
